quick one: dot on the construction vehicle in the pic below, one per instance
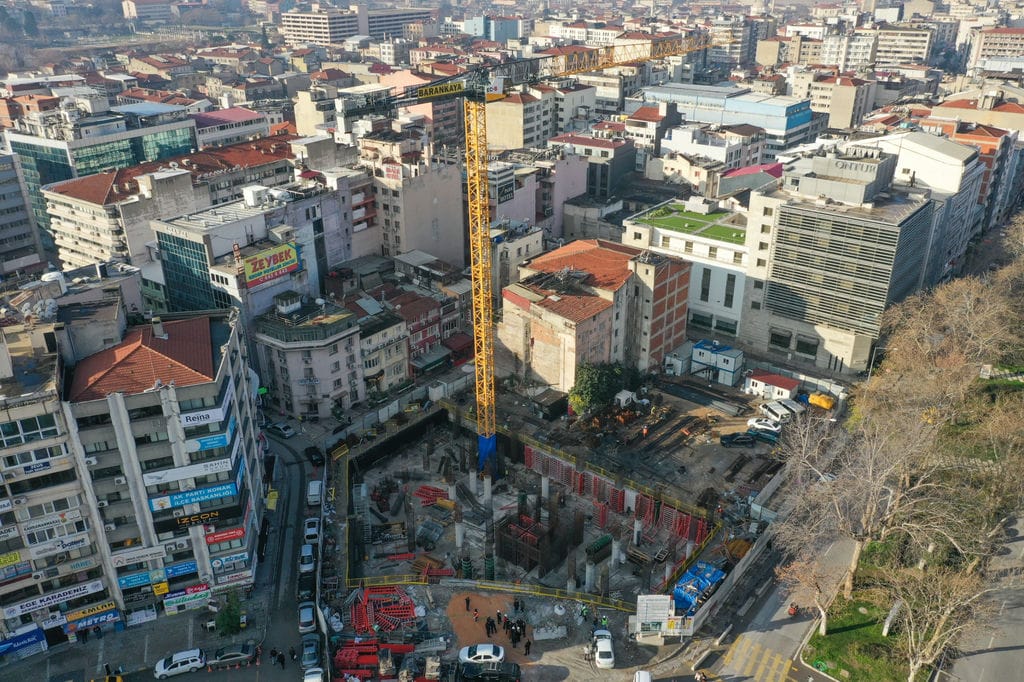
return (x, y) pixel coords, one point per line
(476, 87)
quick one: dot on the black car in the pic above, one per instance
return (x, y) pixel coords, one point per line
(764, 436)
(739, 440)
(491, 672)
(315, 457)
(306, 586)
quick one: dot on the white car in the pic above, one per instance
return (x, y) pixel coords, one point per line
(482, 653)
(604, 655)
(281, 429)
(182, 662)
(311, 531)
(307, 617)
(769, 425)
(307, 559)
(313, 675)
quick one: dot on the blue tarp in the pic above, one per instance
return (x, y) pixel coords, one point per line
(486, 447)
(697, 581)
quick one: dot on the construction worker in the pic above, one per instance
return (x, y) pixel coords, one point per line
(604, 621)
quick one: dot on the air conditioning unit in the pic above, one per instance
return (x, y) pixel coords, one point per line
(169, 548)
(178, 513)
(102, 503)
(181, 544)
(109, 526)
(91, 461)
(120, 480)
(21, 501)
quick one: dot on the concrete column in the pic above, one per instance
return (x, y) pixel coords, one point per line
(487, 489)
(473, 482)
(452, 492)
(668, 570)
(460, 534)
(545, 486)
(638, 531)
(689, 548)
(570, 584)
(616, 552)
(588, 584)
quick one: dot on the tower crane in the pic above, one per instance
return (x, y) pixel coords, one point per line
(476, 87)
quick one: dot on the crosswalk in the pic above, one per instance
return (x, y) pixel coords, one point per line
(750, 661)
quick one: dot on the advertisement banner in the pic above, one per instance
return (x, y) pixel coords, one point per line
(215, 466)
(133, 580)
(135, 556)
(193, 496)
(270, 264)
(185, 568)
(57, 546)
(36, 467)
(53, 598)
(51, 521)
(160, 588)
(240, 577)
(9, 559)
(90, 610)
(223, 514)
(220, 562)
(219, 440)
(214, 414)
(98, 619)
(225, 535)
(506, 192)
(6, 505)
(185, 601)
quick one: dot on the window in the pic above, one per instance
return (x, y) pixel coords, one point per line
(27, 430)
(758, 284)
(687, 247)
(637, 236)
(762, 263)
(780, 338)
(712, 252)
(755, 305)
(701, 320)
(806, 346)
(730, 290)
(705, 284)
(768, 211)
(737, 258)
(766, 229)
(727, 326)
(762, 246)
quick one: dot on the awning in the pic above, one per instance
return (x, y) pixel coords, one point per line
(431, 359)
(458, 341)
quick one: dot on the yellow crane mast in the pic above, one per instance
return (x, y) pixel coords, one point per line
(477, 87)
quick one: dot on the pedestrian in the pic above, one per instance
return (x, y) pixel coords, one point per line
(604, 621)
(106, 666)
(506, 619)
(499, 615)
(85, 635)
(526, 647)
(273, 656)
(487, 628)
(467, 603)
(98, 631)
(476, 615)
(291, 652)
(280, 659)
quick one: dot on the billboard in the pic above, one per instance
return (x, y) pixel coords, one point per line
(269, 264)
(192, 497)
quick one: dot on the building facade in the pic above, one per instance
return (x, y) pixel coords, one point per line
(22, 251)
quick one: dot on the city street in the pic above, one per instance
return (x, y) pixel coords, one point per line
(765, 640)
(995, 655)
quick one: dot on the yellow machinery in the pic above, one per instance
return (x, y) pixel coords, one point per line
(477, 87)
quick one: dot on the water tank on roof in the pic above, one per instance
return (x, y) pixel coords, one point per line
(56, 276)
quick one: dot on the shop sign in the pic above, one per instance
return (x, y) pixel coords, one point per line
(53, 598)
(51, 521)
(134, 556)
(90, 610)
(215, 466)
(225, 535)
(192, 497)
(186, 568)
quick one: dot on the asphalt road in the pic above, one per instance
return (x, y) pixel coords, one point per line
(995, 655)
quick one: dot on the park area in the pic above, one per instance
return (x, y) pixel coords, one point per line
(711, 225)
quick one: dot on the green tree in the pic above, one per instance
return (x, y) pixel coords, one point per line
(29, 24)
(596, 385)
(230, 616)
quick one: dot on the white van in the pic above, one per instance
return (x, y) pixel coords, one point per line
(642, 676)
(314, 493)
(775, 411)
(793, 406)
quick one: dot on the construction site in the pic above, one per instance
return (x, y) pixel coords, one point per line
(574, 519)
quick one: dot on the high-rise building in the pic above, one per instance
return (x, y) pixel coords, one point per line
(330, 25)
(22, 251)
(68, 143)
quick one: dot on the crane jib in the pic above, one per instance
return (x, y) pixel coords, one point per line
(429, 91)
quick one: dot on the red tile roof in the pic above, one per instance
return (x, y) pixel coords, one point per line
(785, 383)
(520, 98)
(137, 363)
(772, 169)
(648, 113)
(606, 263)
(572, 307)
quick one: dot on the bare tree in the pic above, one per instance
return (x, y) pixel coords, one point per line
(810, 580)
(936, 609)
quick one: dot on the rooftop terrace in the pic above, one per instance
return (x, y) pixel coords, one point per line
(718, 225)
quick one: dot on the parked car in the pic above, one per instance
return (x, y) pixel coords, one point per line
(182, 662)
(311, 531)
(315, 457)
(282, 429)
(738, 440)
(307, 559)
(604, 654)
(764, 436)
(306, 587)
(235, 654)
(313, 675)
(310, 651)
(761, 424)
(482, 653)
(307, 617)
(490, 672)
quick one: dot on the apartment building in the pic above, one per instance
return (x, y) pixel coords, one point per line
(995, 43)
(609, 161)
(518, 121)
(646, 126)
(844, 99)
(559, 175)
(419, 203)
(795, 49)
(444, 118)
(513, 243)
(163, 426)
(849, 51)
(900, 44)
(222, 127)
(734, 146)
(591, 301)
(105, 216)
(383, 345)
(20, 247)
(330, 25)
(67, 143)
(147, 11)
(310, 358)
(829, 252)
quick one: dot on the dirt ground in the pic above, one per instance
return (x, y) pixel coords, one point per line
(468, 632)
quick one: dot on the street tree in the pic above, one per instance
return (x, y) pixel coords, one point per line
(810, 580)
(938, 607)
(596, 385)
(229, 617)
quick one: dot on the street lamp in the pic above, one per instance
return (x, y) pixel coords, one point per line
(871, 362)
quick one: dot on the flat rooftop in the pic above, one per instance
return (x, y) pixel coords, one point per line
(720, 226)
